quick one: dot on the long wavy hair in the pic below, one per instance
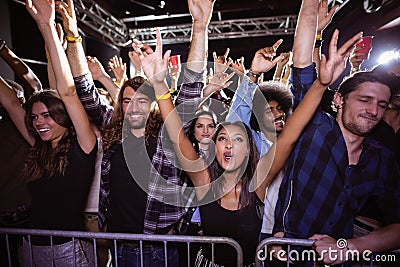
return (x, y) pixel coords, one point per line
(42, 158)
(216, 171)
(115, 132)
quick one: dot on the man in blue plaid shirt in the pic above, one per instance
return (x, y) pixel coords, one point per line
(334, 168)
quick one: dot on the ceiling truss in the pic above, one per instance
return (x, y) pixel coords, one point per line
(101, 21)
(117, 33)
(239, 28)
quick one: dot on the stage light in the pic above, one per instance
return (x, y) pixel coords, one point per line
(388, 55)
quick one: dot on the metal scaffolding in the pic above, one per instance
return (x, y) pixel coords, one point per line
(115, 30)
(101, 21)
(238, 28)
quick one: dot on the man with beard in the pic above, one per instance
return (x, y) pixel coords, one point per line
(334, 168)
(264, 110)
(138, 192)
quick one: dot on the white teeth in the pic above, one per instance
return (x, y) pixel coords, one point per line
(43, 130)
(135, 116)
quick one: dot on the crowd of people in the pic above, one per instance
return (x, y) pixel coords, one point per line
(145, 156)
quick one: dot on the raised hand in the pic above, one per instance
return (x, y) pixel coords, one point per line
(221, 63)
(284, 59)
(325, 17)
(238, 66)
(264, 59)
(357, 58)
(201, 11)
(332, 68)
(42, 11)
(95, 67)
(135, 61)
(118, 67)
(217, 82)
(67, 12)
(154, 65)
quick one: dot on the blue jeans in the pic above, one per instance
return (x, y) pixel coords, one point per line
(153, 256)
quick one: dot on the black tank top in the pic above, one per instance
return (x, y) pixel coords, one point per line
(242, 225)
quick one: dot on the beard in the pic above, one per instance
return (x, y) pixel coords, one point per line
(136, 123)
(354, 126)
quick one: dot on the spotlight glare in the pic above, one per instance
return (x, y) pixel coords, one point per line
(387, 56)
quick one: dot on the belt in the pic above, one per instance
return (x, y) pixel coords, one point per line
(136, 244)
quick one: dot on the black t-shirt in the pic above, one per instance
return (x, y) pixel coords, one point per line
(130, 172)
(242, 225)
(58, 201)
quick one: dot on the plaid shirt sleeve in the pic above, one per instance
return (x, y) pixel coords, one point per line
(300, 81)
(96, 107)
(165, 205)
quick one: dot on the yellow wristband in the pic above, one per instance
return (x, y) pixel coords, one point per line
(318, 37)
(164, 96)
(71, 39)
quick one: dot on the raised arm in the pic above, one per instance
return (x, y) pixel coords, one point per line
(136, 63)
(280, 66)
(11, 103)
(324, 18)
(100, 112)
(155, 67)
(50, 73)
(201, 11)
(26, 74)
(313, 17)
(242, 102)
(118, 67)
(43, 12)
(98, 73)
(329, 71)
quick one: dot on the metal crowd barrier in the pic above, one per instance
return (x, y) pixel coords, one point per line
(115, 237)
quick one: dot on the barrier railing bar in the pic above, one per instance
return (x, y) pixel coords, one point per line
(30, 250)
(165, 254)
(52, 251)
(8, 251)
(188, 253)
(95, 251)
(212, 252)
(141, 253)
(125, 236)
(115, 252)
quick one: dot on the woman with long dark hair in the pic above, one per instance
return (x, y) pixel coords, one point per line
(231, 187)
(60, 163)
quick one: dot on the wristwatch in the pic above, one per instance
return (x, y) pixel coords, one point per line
(252, 74)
